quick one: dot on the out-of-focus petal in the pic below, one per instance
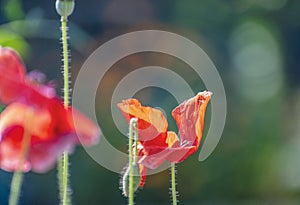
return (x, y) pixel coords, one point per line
(12, 75)
(34, 111)
(87, 132)
(43, 155)
(51, 131)
(37, 81)
(37, 122)
(11, 65)
(11, 155)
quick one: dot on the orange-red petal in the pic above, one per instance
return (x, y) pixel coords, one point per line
(143, 173)
(151, 122)
(189, 117)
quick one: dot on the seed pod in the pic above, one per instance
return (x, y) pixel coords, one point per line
(65, 7)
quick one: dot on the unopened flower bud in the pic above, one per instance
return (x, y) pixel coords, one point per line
(125, 179)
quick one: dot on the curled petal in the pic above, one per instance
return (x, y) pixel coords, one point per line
(189, 117)
(151, 122)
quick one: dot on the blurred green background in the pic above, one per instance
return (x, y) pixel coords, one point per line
(255, 46)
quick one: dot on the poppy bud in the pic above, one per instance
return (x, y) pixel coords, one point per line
(65, 7)
(125, 179)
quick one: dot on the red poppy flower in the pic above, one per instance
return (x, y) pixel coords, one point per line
(158, 145)
(34, 110)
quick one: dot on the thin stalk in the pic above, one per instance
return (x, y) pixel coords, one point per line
(16, 183)
(17, 179)
(60, 168)
(132, 159)
(63, 163)
(65, 60)
(136, 138)
(173, 184)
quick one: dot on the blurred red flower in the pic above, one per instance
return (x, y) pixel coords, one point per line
(34, 110)
(158, 145)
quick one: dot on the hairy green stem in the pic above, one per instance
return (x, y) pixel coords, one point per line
(65, 60)
(132, 158)
(66, 196)
(63, 163)
(173, 184)
(60, 176)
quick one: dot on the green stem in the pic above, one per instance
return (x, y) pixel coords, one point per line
(63, 163)
(65, 60)
(66, 197)
(132, 158)
(15, 187)
(173, 184)
(60, 176)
